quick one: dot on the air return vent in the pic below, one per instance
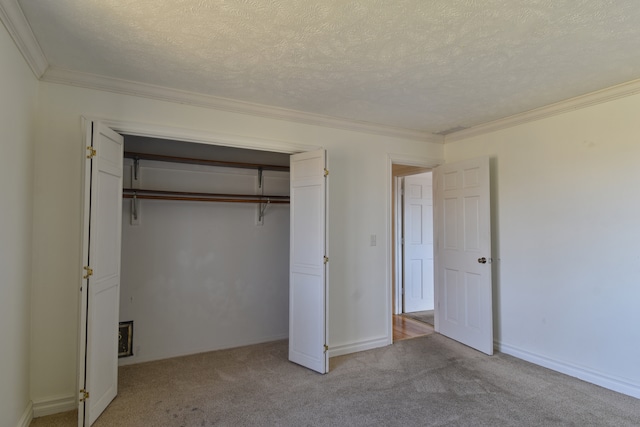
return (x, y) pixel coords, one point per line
(125, 339)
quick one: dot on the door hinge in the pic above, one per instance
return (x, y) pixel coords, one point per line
(89, 271)
(84, 395)
(326, 172)
(326, 259)
(326, 348)
(92, 152)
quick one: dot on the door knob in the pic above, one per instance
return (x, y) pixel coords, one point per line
(482, 260)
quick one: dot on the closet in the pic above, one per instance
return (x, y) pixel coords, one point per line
(205, 247)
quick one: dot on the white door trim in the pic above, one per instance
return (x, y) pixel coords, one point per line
(401, 159)
(397, 207)
(203, 137)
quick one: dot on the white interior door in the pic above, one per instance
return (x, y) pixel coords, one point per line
(308, 262)
(418, 243)
(463, 253)
(101, 286)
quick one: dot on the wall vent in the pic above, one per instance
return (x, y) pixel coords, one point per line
(125, 339)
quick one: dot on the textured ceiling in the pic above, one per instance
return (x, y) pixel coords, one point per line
(422, 65)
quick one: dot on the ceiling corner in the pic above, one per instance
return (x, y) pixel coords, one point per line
(568, 105)
(16, 24)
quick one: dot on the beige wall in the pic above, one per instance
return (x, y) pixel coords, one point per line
(566, 218)
(563, 230)
(18, 92)
(184, 264)
(358, 202)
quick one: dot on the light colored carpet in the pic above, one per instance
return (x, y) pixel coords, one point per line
(422, 316)
(427, 381)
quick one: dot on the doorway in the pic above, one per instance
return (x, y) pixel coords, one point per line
(412, 251)
(462, 223)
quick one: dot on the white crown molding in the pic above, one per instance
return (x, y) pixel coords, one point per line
(587, 100)
(13, 18)
(128, 87)
(16, 24)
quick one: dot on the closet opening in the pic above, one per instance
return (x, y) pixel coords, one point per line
(197, 278)
(205, 247)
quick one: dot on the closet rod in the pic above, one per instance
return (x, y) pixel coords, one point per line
(204, 199)
(139, 192)
(189, 160)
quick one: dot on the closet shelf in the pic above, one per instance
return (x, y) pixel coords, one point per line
(188, 160)
(130, 193)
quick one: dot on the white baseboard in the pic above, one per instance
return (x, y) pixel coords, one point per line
(598, 378)
(343, 349)
(134, 360)
(27, 416)
(54, 405)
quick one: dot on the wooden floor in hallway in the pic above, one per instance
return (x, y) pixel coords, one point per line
(405, 328)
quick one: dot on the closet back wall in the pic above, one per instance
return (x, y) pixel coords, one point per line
(202, 276)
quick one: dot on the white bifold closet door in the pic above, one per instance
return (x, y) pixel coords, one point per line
(308, 262)
(101, 287)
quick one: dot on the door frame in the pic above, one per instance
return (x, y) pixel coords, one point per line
(160, 132)
(397, 257)
(407, 160)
